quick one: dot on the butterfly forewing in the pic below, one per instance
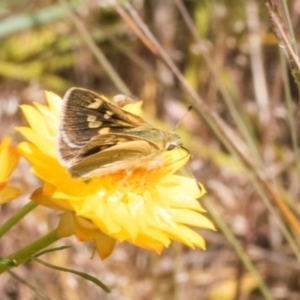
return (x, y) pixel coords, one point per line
(85, 115)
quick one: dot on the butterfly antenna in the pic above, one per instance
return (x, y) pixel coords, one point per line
(188, 168)
(200, 187)
(189, 108)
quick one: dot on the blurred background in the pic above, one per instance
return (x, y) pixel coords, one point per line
(245, 108)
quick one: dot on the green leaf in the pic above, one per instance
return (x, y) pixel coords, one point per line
(81, 274)
(51, 250)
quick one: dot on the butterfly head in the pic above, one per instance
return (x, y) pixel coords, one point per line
(172, 140)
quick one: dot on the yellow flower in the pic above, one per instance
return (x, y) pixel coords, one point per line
(9, 157)
(148, 207)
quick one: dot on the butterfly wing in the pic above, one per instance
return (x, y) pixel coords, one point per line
(112, 152)
(85, 115)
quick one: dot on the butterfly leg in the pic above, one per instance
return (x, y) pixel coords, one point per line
(124, 179)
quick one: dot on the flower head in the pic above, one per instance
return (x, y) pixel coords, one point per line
(9, 158)
(147, 205)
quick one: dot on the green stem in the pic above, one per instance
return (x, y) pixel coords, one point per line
(25, 254)
(290, 26)
(289, 104)
(17, 217)
(95, 49)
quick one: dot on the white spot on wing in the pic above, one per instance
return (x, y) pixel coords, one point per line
(68, 142)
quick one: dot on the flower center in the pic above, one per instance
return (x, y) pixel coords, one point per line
(136, 180)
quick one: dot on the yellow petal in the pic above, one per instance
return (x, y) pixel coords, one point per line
(84, 229)
(174, 159)
(104, 245)
(121, 216)
(134, 108)
(54, 102)
(50, 118)
(40, 197)
(154, 238)
(65, 227)
(9, 157)
(36, 120)
(151, 244)
(9, 193)
(111, 226)
(42, 142)
(182, 185)
(191, 238)
(191, 218)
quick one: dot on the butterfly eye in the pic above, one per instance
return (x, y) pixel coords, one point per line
(170, 146)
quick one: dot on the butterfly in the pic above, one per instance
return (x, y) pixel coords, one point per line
(97, 137)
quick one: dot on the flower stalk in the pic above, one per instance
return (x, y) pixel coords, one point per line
(23, 255)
